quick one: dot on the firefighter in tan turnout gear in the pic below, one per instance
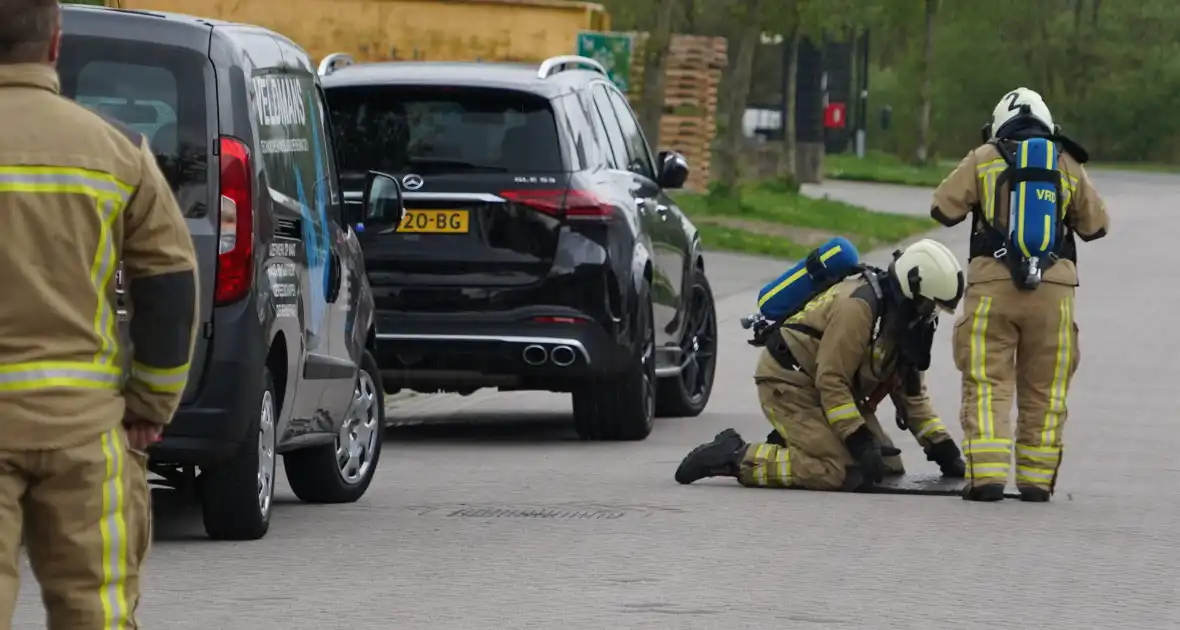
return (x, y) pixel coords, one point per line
(822, 372)
(79, 194)
(1028, 196)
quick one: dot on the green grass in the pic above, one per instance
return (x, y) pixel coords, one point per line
(770, 220)
(883, 168)
(890, 169)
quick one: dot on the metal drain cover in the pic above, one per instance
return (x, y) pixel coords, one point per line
(537, 513)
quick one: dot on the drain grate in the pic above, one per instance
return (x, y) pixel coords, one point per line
(570, 515)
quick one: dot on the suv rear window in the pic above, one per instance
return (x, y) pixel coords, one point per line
(400, 129)
(157, 90)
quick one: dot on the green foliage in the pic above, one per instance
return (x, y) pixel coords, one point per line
(1110, 72)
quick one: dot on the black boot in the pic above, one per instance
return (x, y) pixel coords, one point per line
(1034, 495)
(720, 458)
(989, 493)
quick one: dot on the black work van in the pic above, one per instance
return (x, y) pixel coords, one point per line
(283, 365)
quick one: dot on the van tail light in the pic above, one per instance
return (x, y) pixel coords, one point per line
(235, 236)
(575, 205)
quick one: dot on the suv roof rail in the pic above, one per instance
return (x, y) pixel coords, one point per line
(553, 65)
(334, 62)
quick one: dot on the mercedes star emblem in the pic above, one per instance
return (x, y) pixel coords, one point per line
(412, 182)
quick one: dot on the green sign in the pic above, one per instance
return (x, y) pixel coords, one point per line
(613, 51)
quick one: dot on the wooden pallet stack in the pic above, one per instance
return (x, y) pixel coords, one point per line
(693, 75)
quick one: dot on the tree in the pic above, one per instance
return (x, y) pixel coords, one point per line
(655, 63)
(922, 153)
(748, 14)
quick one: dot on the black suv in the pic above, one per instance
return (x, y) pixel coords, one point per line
(539, 249)
(283, 365)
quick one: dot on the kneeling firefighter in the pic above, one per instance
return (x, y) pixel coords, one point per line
(866, 335)
(1028, 195)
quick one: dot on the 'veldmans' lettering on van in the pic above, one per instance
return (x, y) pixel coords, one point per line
(279, 100)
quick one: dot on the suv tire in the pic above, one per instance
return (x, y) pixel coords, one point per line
(236, 499)
(687, 394)
(315, 473)
(623, 407)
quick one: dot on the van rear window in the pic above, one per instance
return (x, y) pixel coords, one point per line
(399, 129)
(155, 89)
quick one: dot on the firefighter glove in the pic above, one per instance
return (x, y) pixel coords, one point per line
(950, 461)
(866, 452)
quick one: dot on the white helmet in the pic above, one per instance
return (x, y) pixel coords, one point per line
(1021, 104)
(928, 270)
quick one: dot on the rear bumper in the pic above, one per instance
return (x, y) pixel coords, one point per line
(211, 426)
(510, 349)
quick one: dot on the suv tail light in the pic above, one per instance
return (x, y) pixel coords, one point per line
(577, 205)
(235, 236)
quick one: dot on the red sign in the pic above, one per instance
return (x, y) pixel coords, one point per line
(834, 115)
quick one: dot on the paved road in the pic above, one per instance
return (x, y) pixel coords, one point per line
(626, 547)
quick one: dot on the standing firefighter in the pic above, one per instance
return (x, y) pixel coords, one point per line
(823, 370)
(77, 196)
(1028, 196)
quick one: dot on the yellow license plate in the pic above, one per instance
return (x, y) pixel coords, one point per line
(435, 222)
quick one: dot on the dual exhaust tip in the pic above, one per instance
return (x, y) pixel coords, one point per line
(561, 356)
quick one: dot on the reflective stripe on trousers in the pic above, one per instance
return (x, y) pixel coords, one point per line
(110, 196)
(117, 606)
(986, 443)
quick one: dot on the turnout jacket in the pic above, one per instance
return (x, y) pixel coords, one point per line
(78, 196)
(970, 190)
(832, 340)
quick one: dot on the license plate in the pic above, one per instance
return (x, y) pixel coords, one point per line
(435, 222)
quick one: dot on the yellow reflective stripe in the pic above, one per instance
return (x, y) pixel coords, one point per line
(783, 464)
(761, 453)
(1049, 163)
(796, 276)
(116, 606)
(987, 173)
(1021, 194)
(160, 380)
(983, 388)
(1039, 453)
(981, 447)
(102, 269)
(1035, 475)
(1050, 430)
(988, 470)
(99, 180)
(929, 426)
(842, 412)
(54, 374)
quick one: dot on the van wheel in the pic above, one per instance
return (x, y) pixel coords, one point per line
(341, 472)
(686, 394)
(237, 495)
(623, 407)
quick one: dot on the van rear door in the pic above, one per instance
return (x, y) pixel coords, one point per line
(155, 75)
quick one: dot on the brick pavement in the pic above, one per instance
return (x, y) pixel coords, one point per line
(613, 542)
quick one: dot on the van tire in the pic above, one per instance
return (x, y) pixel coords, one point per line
(622, 408)
(314, 473)
(229, 491)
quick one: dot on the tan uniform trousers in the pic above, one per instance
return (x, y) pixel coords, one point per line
(814, 458)
(1024, 344)
(87, 527)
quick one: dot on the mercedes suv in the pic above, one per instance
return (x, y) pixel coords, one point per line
(539, 249)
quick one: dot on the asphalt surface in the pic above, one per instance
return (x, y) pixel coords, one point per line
(442, 541)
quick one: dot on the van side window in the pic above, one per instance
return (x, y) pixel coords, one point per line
(618, 145)
(329, 156)
(295, 153)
